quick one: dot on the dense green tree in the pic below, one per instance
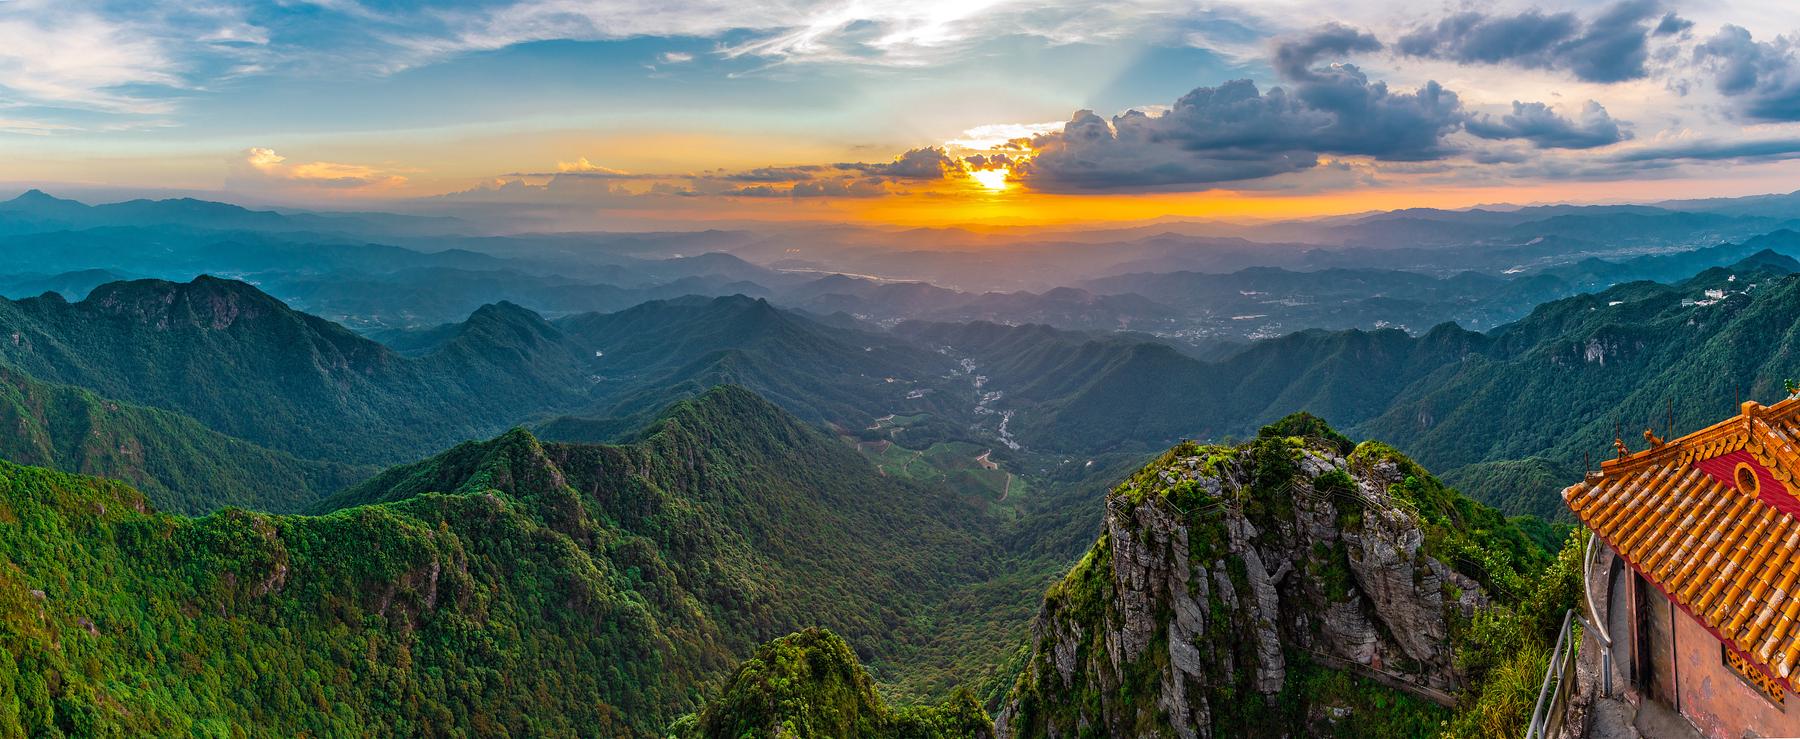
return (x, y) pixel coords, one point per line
(504, 586)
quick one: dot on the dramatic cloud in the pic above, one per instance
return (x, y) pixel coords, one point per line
(841, 180)
(980, 162)
(1671, 25)
(1132, 154)
(1537, 123)
(275, 167)
(1294, 58)
(929, 163)
(1612, 47)
(1236, 132)
(1762, 75)
(772, 70)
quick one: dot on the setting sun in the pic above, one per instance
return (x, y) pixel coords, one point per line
(992, 179)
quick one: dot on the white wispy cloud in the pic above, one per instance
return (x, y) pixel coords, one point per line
(89, 56)
(30, 127)
(50, 54)
(850, 31)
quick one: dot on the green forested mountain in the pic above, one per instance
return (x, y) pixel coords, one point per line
(519, 587)
(246, 365)
(1556, 384)
(1078, 393)
(1776, 250)
(1546, 388)
(176, 461)
(663, 350)
(506, 585)
(445, 612)
(763, 522)
(810, 684)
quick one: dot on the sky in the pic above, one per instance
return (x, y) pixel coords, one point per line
(683, 113)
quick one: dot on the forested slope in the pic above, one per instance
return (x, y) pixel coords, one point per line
(503, 587)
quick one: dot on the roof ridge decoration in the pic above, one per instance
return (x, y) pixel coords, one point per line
(1711, 520)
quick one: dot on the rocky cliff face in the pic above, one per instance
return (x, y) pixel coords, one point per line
(1233, 590)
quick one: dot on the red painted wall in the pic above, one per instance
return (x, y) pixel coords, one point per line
(1719, 702)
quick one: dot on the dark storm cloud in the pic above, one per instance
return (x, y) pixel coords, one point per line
(1761, 76)
(840, 180)
(928, 163)
(1672, 24)
(1611, 47)
(1294, 58)
(1538, 124)
(1087, 155)
(1236, 132)
(988, 161)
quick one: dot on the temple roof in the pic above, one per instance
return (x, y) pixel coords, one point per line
(1711, 520)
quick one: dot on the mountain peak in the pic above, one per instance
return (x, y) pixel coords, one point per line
(35, 198)
(517, 463)
(730, 408)
(201, 286)
(206, 300)
(514, 463)
(810, 683)
(1767, 260)
(507, 311)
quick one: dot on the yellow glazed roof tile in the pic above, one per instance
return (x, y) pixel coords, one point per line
(1712, 521)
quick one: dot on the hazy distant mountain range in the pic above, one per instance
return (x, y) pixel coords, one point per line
(1405, 269)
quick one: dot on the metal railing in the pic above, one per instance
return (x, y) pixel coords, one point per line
(1553, 696)
(1593, 620)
